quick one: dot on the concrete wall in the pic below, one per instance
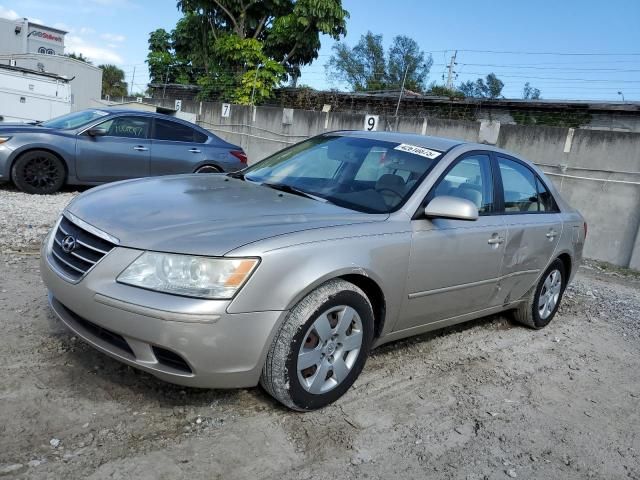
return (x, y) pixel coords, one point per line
(85, 87)
(607, 164)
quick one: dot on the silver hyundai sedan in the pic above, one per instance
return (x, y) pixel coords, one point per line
(288, 273)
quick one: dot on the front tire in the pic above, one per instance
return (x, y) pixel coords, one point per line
(208, 169)
(321, 348)
(542, 301)
(38, 172)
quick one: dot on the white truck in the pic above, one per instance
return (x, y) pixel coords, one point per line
(32, 96)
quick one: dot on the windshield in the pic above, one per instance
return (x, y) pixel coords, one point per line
(74, 120)
(362, 174)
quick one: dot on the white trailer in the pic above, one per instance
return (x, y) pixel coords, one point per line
(32, 96)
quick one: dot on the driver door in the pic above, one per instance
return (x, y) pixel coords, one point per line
(123, 153)
(455, 264)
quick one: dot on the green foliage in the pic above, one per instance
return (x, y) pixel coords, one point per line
(568, 119)
(78, 56)
(530, 93)
(365, 66)
(113, 83)
(221, 43)
(257, 79)
(442, 91)
(490, 87)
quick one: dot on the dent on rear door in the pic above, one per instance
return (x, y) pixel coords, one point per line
(531, 242)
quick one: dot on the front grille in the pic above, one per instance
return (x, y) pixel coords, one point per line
(89, 250)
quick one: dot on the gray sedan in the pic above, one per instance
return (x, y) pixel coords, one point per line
(98, 146)
(289, 272)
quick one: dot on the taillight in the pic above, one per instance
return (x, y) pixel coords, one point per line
(240, 155)
(585, 230)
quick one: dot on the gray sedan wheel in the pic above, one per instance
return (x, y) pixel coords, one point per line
(208, 169)
(39, 172)
(321, 347)
(543, 300)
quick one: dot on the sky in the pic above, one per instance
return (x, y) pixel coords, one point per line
(569, 49)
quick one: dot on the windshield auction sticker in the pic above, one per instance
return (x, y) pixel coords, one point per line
(423, 152)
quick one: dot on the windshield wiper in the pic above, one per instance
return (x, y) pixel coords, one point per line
(283, 187)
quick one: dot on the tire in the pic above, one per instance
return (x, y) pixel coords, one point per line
(39, 172)
(530, 312)
(208, 169)
(337, 364)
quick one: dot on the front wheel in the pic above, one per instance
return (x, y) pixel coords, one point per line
(321, 347)
(39, 172)
(543, 301)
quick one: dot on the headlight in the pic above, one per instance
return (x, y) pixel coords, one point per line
(4, 139)
(202, 277)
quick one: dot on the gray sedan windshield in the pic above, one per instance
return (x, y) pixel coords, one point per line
(358, 173)
(74, 120)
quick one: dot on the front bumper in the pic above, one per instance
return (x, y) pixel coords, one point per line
(217, 349)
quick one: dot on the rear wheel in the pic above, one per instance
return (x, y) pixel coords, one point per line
(39, 172)
(208, 169)
(321, 347)
(543, 300)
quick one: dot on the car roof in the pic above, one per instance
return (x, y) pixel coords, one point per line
(436, 143)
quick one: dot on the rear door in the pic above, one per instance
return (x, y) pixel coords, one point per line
(122, 153)
(533, 223)
(455, 264)
(176, 148)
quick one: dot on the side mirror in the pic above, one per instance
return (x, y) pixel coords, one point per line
(97, 132)
(455, 208)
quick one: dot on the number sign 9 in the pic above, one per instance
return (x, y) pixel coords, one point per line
(371, 123)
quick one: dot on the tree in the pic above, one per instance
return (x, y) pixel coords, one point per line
(78, 56)
(490, 87)
(250, 45)
(365, 66)
(405, 56)
(530, 93)
(113, 83)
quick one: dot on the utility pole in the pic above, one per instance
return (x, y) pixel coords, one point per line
(450, 76)
(133, 77)
(404, 79)
(166, 79)
(255, 80)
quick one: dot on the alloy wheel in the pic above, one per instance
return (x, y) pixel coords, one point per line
(330, 349)
(550, 294)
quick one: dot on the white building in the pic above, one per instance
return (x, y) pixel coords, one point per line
(37, 47)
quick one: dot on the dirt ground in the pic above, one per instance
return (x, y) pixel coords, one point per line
(488, 399)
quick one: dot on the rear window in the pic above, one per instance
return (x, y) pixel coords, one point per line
(177, 132)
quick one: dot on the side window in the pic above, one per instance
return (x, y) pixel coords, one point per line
(127, 127)
(546, 201)
(519, 184)
(470, 178)
(174, 131)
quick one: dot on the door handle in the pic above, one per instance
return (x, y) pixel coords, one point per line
(551, 234)
(140, 148)
(194, 150)
(495, 240)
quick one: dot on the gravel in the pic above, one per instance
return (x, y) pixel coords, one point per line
(483, 400)
(25, 219)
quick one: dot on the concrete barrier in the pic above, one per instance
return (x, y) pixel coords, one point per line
(597, 171)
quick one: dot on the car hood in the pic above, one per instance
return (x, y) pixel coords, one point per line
(203, 214)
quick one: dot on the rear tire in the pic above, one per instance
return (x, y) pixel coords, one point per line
(208, 169)
(321, 347)
(543, 300)
(39, 172)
